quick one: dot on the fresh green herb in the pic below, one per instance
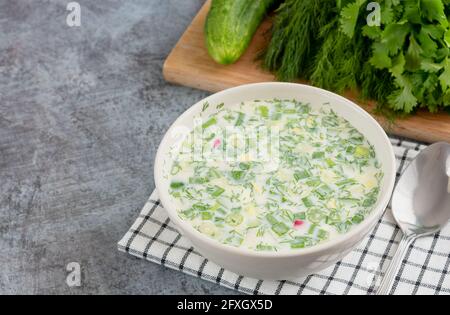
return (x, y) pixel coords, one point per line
(280, 228)
(300, 216)
(264, 111)
(357, 219)
(240, 119)
(176, 185)
(323, 191)
(301, 242)
(315, 216)
(265, 247)
(237, 175)
(209, 123)
(307, 202)
(318, 155)
(404, 63)
(198, 180)
(205, 106)
(244, 166)
(271, 219)
(216, 191)
(301, 175)
(207, 216)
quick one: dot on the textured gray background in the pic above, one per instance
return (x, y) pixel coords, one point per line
(82, 111)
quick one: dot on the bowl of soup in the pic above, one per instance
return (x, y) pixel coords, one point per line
(275, 180)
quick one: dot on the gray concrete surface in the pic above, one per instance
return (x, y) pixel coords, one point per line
(82, 111)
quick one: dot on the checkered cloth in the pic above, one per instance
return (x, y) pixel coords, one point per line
(425, 269)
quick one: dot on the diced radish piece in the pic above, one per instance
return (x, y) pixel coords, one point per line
(217, 143)
(298, 223)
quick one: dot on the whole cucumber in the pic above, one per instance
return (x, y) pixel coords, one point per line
(230, 27)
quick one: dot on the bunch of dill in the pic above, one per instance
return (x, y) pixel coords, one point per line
(403, 62)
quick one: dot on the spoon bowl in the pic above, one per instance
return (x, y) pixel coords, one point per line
(421, 202)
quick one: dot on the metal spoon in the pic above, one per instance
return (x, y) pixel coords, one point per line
(420, 204)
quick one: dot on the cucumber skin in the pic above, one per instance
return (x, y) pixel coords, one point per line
(230, 27)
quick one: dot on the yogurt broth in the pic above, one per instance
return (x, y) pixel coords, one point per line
(274, 175)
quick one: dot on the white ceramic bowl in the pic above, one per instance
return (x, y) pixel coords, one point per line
(290, 264)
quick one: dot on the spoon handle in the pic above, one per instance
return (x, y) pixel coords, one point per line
(391, 273)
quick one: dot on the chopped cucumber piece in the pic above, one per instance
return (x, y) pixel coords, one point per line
(362, 152)
(280, 228)
(264, 111)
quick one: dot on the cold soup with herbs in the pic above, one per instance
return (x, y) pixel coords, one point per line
(274, 175)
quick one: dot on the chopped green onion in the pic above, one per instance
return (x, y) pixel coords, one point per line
(264, 247)
(323, 191)
(301, 175)
(330, 162)
(237, 175)
(207, 216)
(216, 191)
(244, 166)
(264, 111)
(344, 227)
(323, 235)
(198, 180)
(314, 183)
(315, 215)
(307, 202)
(357, 219)
(200, 207)
(209, 123)
(369, 202)
(301, 242)
(345, 182)
(240, 119)
(333, 218)
(317, 232)
(190, 213)
(271, 219)
(176, 185)
(362, 152)
(349, 200)
(350, 150)
(215, 207)
(300, 216)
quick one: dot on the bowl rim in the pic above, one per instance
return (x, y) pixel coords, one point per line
(192, 234)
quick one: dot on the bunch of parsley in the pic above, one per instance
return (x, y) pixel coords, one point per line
(403, 62)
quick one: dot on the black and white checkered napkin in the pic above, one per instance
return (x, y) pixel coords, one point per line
(425, 269)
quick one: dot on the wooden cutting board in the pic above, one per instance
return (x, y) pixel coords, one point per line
(189, 64)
